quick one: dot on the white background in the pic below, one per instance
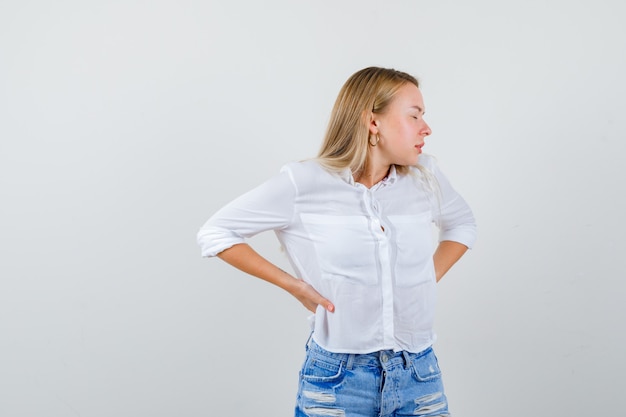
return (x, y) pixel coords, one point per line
(125, 124)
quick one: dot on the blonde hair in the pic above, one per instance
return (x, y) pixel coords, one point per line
(345, 144)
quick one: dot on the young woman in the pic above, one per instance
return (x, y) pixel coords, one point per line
(356, 224)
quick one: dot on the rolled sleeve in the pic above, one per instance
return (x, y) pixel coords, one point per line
(453, 215)
(270, 206)
(457, 224)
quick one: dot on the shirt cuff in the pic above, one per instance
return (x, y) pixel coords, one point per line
(463, 235)
(213, 242)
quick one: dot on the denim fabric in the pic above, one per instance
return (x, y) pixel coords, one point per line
(379, 384)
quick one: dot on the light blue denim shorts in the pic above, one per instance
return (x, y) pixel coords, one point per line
(379, 384)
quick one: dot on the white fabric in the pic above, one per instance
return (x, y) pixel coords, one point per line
(369, 251)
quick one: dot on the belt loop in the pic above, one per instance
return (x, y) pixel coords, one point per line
(350, 362)
(407, 359)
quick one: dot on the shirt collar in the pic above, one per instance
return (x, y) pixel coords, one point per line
(347, 176)
(391, 177)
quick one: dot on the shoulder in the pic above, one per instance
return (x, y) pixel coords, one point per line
(307, 169)
(309, 175)
(302, 167)
(425, 173)
(426, 161)
(425, 168)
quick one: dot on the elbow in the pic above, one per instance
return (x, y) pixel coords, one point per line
(214, 241)
(465, 234)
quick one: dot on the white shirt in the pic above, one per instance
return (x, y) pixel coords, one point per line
(369, 251)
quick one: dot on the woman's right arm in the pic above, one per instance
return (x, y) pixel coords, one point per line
(243, 257)
(269, 206)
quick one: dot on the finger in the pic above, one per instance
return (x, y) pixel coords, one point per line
(321, 301)
(328, 305)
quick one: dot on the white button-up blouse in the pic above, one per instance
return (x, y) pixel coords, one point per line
(369, 251)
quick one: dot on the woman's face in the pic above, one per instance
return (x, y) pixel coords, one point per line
(401, 128)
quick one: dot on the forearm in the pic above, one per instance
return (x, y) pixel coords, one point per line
(447, 254)
(246, 259)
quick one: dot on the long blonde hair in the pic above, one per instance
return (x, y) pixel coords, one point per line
(345, 144)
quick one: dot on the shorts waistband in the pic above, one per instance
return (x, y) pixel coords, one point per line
(381, 359)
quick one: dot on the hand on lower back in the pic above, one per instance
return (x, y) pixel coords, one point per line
(310, 298)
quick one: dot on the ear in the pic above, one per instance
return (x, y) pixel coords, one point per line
(372, 122)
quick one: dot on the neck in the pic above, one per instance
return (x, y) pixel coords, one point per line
(371, 175)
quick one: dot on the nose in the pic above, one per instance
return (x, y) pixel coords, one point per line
(426, 129)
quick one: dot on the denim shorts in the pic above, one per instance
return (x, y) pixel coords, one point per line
(379, 384)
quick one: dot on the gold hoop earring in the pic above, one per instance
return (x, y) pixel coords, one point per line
(375, 143)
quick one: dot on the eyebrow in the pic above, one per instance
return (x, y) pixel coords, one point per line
(419, 108)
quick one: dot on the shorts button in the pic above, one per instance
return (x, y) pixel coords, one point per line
(385, 358)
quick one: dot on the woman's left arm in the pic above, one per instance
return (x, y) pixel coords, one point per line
(447, 254)
(457, 226)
